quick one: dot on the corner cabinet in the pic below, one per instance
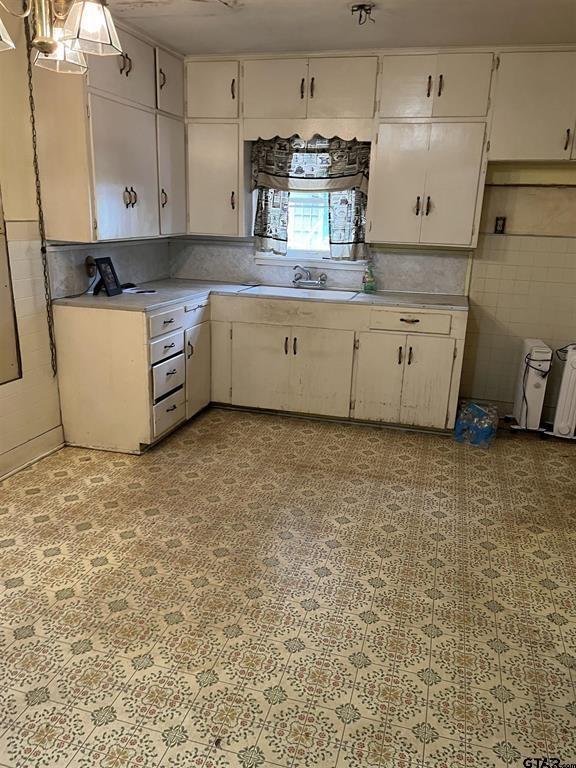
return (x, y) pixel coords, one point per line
(213, 178)
(120, 173)
(426, 183)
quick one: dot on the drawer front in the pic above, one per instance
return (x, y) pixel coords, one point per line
(168, 375)
(164, 322)
(410, 322)
(169, 412)
(166, 347)
(196, 313)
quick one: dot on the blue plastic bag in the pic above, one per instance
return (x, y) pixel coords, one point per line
(476, 424)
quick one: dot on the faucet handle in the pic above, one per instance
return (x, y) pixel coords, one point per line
(323, 278)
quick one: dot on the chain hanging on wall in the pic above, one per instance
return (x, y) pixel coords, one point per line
(41, 224)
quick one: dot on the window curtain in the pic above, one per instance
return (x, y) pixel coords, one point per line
(335, 165)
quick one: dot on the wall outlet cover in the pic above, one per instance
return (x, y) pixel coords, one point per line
(500, 225)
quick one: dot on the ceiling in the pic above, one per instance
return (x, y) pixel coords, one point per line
(261, 26)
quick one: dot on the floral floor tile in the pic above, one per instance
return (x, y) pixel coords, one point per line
(319, 676)
(369, 743)
(256, 663)
(386, 696)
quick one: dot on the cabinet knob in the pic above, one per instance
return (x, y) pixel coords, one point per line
(233, 88)
(295, 345)
(163, 197)
(191, 348)
(162, 78)
(172, 372)
(429, 88)
(122, 62)
(410, 356)
(417, 209)
(567, 142)
(133, 196)
(302, 87)
(286, 345)
(440, 85)
(129, 65)
(409, 320)
(172, 408)
(233, 201)
(169, 346)
(127, 197)
(400, 355)
(168, 322)
(312, 87)
(428, 206)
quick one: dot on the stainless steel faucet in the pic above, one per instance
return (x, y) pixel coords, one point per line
(303, 278)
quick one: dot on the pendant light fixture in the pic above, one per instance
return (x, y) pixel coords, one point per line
(63, 30)
(6, 42)
(89, 29)
(63, 59)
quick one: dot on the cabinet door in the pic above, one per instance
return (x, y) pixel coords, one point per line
(453, 171)
(213, 178)
(397, 179)
(212, 88)
(125, 170)
(342, 87)
(534, 106)
(427, 377)
(407, 86)
(169, 83)
(171, 175)
(321, 371)
(131, 76)
(198, 367)
(261, 365)
(275, 87)
(379, 375)
(462, 84)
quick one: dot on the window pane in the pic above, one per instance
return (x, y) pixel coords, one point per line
(308, 221)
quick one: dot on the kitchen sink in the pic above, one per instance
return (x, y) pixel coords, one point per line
(299, 293)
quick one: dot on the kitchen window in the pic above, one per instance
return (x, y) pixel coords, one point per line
(308, 225)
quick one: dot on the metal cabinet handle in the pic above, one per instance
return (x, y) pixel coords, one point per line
(400, 355)
(409, 320)
(233, 88)
(129, 67)
(410, 356)
(162, 78)
(193, 309)
(163, 197)
(417, 211)
(191, 348)
(134, 197)
(170, 346)
(302, 87)
(122, 62)
(429, 88)
(172, 408)
(427, 211)
(286, 345)
(295, 345)
(567, 142)
(440, 85)
(127, 197)
(172, 372)
(312, 87)
(233, 201)
(168, 322)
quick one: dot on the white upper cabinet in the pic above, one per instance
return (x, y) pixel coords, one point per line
(212, 89)
(125, 173)
(131, 75)
(424, 183)
(397, 179)
(275, 87)
(342, 87)
(407, 86)
(213, 154)
(338, 87)
(534, 106)
(452, 179)
(169, 83)
(462, 84)
(171, 175)
(430, 85)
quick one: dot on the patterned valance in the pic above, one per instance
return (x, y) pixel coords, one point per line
(319, 164)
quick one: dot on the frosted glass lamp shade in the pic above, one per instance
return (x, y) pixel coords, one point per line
(89, 29)
(6, 42)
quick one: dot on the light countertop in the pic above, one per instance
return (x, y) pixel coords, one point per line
(177, 291)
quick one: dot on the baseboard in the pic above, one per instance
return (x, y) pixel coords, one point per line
(23, 455)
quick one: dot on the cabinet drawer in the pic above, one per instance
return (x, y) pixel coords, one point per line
(168, 375)
(169, 412)
(413, 322)
(196, 313)
(166, 347)
(166, 321)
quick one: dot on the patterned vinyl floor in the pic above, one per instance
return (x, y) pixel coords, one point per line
(264, 591)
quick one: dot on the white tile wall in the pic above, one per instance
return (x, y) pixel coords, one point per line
(521, 287)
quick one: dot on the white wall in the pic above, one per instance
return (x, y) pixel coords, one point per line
(29, 407)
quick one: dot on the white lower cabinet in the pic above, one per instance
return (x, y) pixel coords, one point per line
(403, 379)
(197, 348)
(284, 368)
